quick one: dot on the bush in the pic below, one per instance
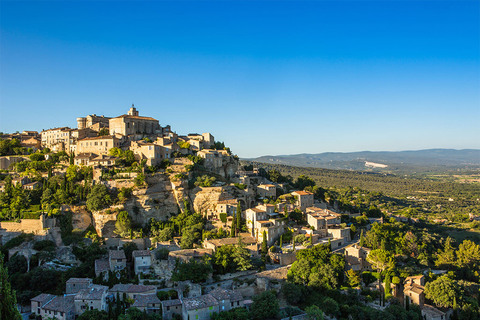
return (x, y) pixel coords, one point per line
(161, 254)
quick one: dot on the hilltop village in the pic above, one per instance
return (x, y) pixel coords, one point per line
(123, 218)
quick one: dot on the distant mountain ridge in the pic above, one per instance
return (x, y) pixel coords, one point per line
(395, 161)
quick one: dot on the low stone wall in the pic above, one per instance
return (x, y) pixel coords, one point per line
(35, 226)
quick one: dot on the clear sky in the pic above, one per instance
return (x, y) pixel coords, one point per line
(265, 77)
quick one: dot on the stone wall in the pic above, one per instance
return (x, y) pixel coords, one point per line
(35, 226)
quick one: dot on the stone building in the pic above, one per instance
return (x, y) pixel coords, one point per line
(132, 291)
(93, 297)
(267, 191)
(262, 219)
(338, 232)
(356, 258)
(171, 307)
(74, 285)
(227, 299)
(304, 199)
(142, 261)
(249, 242)
(57, 139)
(414, 290)
(98, 145)
(93, 121)
(117, 260)
(148, 303)
(132, 124)
(200, 308)
(51, 306)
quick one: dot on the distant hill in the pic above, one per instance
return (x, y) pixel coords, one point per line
(397, 162)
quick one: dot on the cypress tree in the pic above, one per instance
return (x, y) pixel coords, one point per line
(281, 240)
(387, 284)
(264, 244)
(362, 239)
(239, 217)
(234, 226)
(8, 299)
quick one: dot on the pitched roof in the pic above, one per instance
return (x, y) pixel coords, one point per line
(79, 280)
(132, 288)
(43, 298)
(169, 303)
(98, 138)
(246, 239)
(135, 117)
(205, 301)
(61, 304)
(101, 265)
(141, 253)
(144, 300)
(94, 292)
(116, 254)
(223, 294)
(302, 193)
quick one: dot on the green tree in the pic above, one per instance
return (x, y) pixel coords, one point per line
(446, 257)
(98, 198)
(239, 216)
(123, 225)
(8, 301)
(242, 257)
(93, 315)
(381, 260)
(442, 291)
(353, 278)
(468, 255)
(264, 306)
(234, 226)
(314, 313)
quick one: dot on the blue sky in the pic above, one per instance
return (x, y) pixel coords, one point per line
(265, 77)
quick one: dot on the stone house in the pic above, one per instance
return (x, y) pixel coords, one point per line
(339, 232)
(228, 206)
(213, 158)
(331, 218)
(7, 161)
(267, 191)
(74, 285)
(50, 306)
(21, 181)
(148, 303)
(260, 219)
(356, 258)
(227, 299)
(414, 290)
(93, 297)
(249, 242)
(171, 307)
(117, 260)
(57, 139)
(31, 142)
(432, 313)
(142, 260)
(97, 145)
(32, 185)
(200, 308)
(132, 291)
(102, 266)
(188, 254)
(304, 199)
